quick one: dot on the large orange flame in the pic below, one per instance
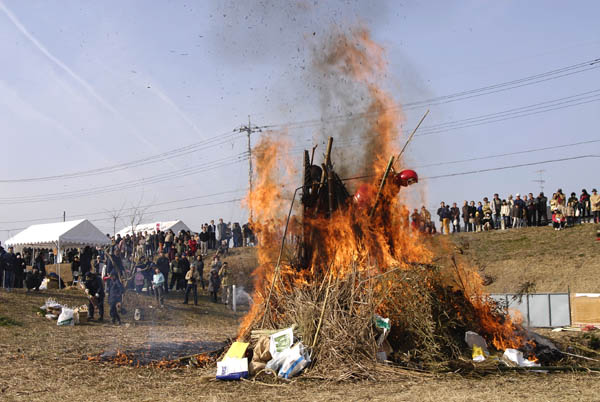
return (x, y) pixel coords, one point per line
(350, 240)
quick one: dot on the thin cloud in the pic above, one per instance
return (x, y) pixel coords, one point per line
(65, 68)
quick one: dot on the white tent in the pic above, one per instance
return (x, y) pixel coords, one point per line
(60, 235)
(175, 226)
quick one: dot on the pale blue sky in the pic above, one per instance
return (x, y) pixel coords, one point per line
(86, 84)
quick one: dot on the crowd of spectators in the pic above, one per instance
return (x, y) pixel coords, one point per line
(512, 212)
(140, 260)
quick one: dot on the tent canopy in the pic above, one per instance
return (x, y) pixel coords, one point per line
(175, 226)
(64, 234)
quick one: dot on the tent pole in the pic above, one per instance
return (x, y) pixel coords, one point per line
(58, 261)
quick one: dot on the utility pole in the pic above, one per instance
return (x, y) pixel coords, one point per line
(64, 216)
(249, 129)
(541, 180)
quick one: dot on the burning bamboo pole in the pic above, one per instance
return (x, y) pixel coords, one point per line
(411, 135)
(278, 266)
(383, 179)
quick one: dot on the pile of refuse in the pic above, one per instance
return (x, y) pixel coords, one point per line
(64, 315)
(276, 354)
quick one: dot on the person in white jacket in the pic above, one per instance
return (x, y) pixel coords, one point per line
(504, 214)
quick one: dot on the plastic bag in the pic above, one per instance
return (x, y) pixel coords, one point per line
(66, 317)
(44, 285)
(281, 341)
(275, 363)
(296, 359)
(516, 356)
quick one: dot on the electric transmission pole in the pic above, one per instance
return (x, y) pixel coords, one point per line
(249, 129)
(541, 180)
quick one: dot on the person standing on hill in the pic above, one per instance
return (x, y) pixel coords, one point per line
(212, 236)
(221, 232)
(465, 216)
(542, 210)
(214, 284)
(455, 216)
(595, 203)
(517, 212)
(496, 210)
(505, 215)
(162, 263)
(444, 216)
(198, 264)
(204, 239)
(572, 208)
(584, 206)
(226, 283)
(169, 238)
(237, 235)
(191, 278)
(158, 284)
(177, 273)
(531, 210)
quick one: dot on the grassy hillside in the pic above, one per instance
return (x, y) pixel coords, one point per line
(551, 261)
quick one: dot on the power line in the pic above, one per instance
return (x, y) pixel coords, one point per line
(510, 167)
(490, 89)
(509, 154)
(154, 212)
(174, 153)
(81, 215)
(128, 184)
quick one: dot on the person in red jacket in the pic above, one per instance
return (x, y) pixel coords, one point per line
(558, 220)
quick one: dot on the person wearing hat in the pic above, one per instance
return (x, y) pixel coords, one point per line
(94, 289)
(595, 204)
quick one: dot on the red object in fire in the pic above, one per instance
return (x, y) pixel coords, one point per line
(364, 195)
(406, 177)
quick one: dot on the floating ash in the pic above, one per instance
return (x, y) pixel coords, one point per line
(164, 354)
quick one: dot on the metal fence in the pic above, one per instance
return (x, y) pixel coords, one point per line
(538, 310)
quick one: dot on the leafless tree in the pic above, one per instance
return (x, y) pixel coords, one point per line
(115, 214)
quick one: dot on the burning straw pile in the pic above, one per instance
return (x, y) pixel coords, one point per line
(350, 257)
(353, 259)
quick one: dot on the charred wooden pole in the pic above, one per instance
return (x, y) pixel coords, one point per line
(330, 189)
(306, 194)
(328, 152)
(330, 176)
(383, 180)
(318, 192)
(312, 157)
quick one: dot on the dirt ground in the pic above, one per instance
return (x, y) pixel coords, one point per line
(41, 361)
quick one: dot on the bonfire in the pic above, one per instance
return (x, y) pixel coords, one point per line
(343, 253)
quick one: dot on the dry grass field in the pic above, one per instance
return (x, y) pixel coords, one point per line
(41, 361)
(553, 261)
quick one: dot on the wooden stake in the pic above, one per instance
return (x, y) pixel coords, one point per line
(383, 179)
(411, 135)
